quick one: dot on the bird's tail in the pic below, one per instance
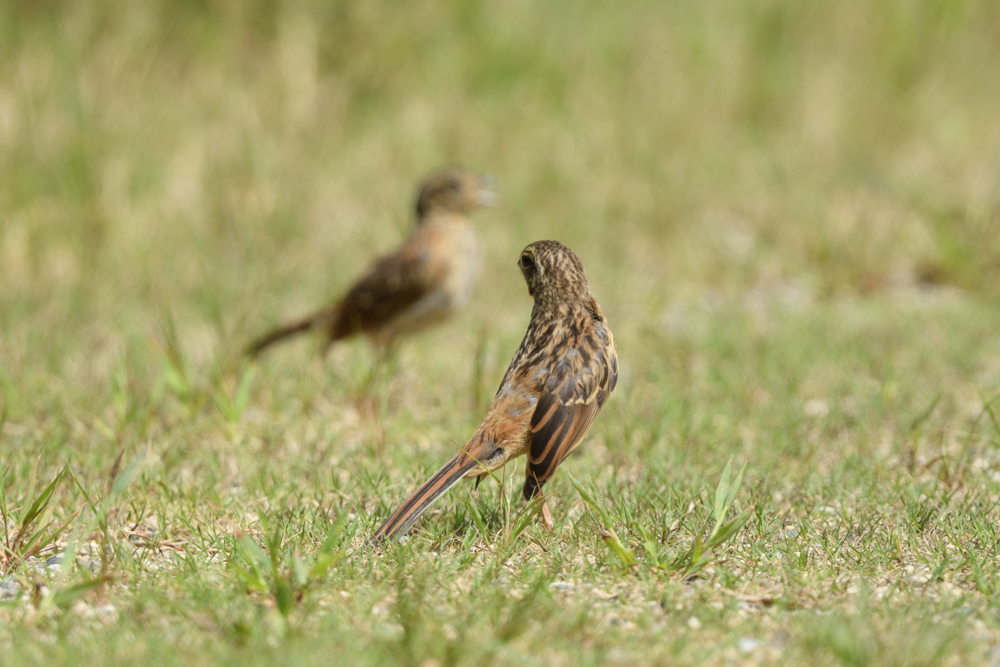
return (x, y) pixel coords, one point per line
(406, 515)
(283, 332)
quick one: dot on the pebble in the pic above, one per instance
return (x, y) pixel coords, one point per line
(694, 623)
(748, 644)
(603, 595)
(919, 575)
(36, 565)
(107, 611)
(91, 565)
(9, 589)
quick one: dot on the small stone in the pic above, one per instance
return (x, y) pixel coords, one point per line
(694, 623)
(748, 644)
(919, 575)
(106, 611)
(88, 563)
(9, 589)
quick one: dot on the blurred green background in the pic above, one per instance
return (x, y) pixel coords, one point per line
(790, 212)
(232, 156)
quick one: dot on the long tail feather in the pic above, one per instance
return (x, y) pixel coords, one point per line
(282, 333)
(406, 515)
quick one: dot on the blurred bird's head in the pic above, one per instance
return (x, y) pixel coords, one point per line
(553, 272)
(454, 191)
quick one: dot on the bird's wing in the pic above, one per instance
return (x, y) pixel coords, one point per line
(390, 286)
(573, 394)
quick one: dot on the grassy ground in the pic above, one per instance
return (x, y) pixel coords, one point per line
(789, 211)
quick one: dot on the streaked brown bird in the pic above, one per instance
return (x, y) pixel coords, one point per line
(555, 386)
(422, 284)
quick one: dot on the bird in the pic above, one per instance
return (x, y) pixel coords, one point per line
(423, 283)
(560, 376)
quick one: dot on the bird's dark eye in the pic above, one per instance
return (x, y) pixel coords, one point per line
(454, 185)
(526, 262)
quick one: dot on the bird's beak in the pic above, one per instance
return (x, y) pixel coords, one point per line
(487, 195)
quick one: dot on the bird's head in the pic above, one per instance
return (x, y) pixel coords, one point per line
(454, 191)
(553, 272)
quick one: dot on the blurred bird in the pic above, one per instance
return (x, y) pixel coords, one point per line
(556, 384)
(422, 284)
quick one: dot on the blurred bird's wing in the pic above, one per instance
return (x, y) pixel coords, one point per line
(573, 394)
(392, 284)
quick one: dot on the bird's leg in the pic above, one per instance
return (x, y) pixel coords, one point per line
(375, 390)
(536, 494)
(370, 382)
(367, 401)
(383, 367)
(546, 516)
(388, 363)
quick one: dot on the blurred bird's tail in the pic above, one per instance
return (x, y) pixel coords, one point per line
(283, 332)
(400, 521)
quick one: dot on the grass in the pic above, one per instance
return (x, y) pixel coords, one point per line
(790, 213)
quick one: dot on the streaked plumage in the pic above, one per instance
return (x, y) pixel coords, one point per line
(557, 382)
(422, 284)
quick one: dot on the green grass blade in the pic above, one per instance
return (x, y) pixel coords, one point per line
(625, 555)
(722, 494)
(727, 531)
(254, 554)
(67, 596)
(649, 546)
